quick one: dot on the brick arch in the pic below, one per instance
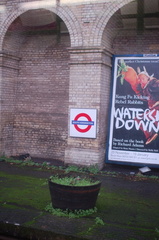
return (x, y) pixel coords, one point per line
(63, 12)
(102, 20)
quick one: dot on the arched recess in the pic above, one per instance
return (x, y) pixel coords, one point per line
(102, 20)
(137, 31)
(35, 85)
(63, 12)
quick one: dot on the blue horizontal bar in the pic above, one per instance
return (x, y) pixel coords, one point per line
(82, 122)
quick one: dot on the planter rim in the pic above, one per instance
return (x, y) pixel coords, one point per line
(98, 182)
(77, 187)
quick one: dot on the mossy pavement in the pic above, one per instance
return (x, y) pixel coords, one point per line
(128, 207)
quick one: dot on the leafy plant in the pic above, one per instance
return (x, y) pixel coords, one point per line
(45, 164)
(10, 160)
(154, 177)
(93, 169)
(74, 181)
(73, 168)
(157, 230)
(68, 213)
(28, 163)
(99, 221)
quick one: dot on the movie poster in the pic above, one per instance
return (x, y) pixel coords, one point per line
(134, 115)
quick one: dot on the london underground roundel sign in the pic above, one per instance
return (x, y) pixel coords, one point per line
(83, 123)
(88, 123)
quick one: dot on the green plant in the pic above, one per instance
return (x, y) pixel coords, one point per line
(154, 177)
(28, 163)
(74, 181)
(73, 168)
(93, 169)
(157, 230)
(10, 160)
(99, 221)
(45, 164)
(68, 213)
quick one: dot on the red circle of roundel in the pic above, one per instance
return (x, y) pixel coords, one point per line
(88, 118)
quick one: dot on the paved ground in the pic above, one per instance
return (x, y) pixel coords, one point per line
(127, 206)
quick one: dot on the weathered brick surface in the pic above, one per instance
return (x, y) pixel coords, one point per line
(42, 98)
(131, 42)
(8, 87)
(42, 77)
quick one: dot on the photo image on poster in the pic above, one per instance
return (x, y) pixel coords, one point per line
(134, 118)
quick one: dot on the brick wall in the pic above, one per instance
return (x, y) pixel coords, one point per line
(42, 78)
(91, 68)
(8, 88)
(40, 126)
(35, 90)
(129, 42)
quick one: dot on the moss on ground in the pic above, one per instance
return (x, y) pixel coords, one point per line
(23, 191)
(123, 208)
(125, 211)
(130, 213)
